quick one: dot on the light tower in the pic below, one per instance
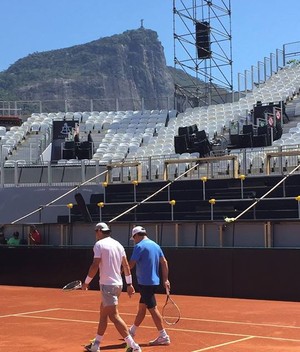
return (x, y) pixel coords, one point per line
(203, 51)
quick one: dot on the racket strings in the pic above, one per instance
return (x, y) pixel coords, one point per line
(74, 285)
(171, 312)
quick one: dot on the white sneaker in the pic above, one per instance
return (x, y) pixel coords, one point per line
(137, 348)
(92, 347)
(160, 341)
(131, 333)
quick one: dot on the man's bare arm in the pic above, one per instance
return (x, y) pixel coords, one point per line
(91, 273)
(165, 272)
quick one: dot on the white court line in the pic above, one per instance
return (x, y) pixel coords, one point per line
(33, 312)
(58, 319)
(243, 336)
(223, 344)
(202, 320)
(235, 334)
(171, 329)
(245, 323)
(187, 319)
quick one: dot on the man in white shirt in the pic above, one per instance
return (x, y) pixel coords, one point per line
(109, 256)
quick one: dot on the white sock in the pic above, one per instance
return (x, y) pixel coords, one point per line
(163, 333)
(98, 339)
(133, 328)
(130, 342)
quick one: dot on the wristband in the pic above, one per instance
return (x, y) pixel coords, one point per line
(88, 279)
(128, 279)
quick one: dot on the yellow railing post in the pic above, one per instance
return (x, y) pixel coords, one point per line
(70, 206)
(203, 179)
(212, 202)
(100, 206)
(172, 203)
(242, 178)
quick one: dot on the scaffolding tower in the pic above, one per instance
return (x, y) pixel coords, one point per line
(203, 51)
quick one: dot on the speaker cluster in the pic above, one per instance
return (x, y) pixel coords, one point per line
(191, 140)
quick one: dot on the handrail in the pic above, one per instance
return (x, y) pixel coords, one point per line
(209, 160)
(123, 164)
(270, 155)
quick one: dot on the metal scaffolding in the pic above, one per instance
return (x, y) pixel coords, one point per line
(203, 51)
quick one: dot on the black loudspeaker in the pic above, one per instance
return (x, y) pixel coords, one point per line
(260, 140)
(69, 150)
(265, 130)
(201, 135)
(203, 148)
(84, 153)
(235, 139)
(84, 150)
(86, 145)
(248, 129)
(69, 145)
(183, 131)
(203, 40)
(180, 144)
(246, 141)
(68, 154)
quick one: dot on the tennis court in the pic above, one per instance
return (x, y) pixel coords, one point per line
(42, 319)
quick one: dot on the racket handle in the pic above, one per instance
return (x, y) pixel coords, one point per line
(167, 290)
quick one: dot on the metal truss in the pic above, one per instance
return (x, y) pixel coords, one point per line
(208, 78)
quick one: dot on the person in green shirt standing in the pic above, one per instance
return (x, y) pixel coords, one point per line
(14, 240)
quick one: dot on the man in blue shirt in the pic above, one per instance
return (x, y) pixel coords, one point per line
(147, 256)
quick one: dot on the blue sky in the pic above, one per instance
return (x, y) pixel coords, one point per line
(259, 27)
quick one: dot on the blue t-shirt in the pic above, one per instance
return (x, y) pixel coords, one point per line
(147, 254)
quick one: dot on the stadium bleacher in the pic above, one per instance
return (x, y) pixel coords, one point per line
(129, 135)
(139, 145)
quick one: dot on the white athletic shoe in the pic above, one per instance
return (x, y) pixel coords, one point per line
(92, 347)
(160, 341)
(137, 348)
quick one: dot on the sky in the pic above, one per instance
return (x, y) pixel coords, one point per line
(259, 27)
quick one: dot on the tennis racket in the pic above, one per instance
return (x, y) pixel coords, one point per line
(74, 285)
(170, 311)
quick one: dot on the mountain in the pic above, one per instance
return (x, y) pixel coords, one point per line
(120, 72)
(128, 66)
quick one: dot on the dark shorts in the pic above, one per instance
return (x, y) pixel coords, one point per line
(148, 295)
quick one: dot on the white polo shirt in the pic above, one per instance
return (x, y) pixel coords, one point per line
(111, 253)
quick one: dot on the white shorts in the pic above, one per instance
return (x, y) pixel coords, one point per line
(110, 294)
